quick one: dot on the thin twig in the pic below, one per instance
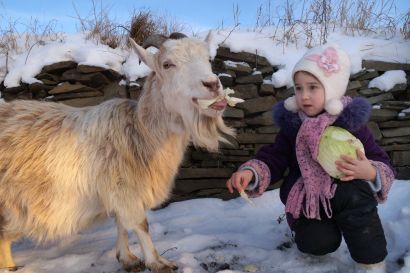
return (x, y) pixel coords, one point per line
(172, 248)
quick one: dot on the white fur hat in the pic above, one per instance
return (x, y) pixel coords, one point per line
(331, 66)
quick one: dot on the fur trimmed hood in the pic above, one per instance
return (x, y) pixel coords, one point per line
(354, 116)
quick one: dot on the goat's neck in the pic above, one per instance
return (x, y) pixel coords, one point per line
(157, 119)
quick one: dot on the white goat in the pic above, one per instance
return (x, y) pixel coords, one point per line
(64, 168)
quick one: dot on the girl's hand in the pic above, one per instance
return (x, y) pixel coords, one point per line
(239, 180)
(359, 168)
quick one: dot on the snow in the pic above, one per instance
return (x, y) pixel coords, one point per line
(210, 232)
(388, 80)
(215, 233)
(24, 65)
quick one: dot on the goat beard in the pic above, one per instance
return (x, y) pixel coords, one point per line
(207, 132)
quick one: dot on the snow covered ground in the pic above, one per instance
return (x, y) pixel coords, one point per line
(211, 235)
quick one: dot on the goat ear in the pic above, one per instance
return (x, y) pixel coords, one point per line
(145, 56)
(209, 37)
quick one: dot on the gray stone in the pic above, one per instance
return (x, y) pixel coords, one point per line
(112, 74)
(226, 79)
(95, 80)
(15, 90)
(369, 92)
(393, 140)
(83, 68)
(283, 93)
(58, 68)
(370, 74)
(382, 115)
(185, 173)
(394, 124)
(82, 102)
(380, 98)
(406, 116)
(235, 152)
(192, 185)
(234, 123)
(265, 70)
(399, 87)
(400, 158)
(240, 68)
(36, 87)
(358, 74)
(25, 95)
(67, 87)
(266, 89)
(200, 156)
(384, 66)
(246, 91)
(396, 132)
(257, 105)
(253, 59)
(374, 128)
(233, 113)
(267, 130)
(114, 90)
(263, 119)
(397, 147)
(247, 138)
(48, 78)
(254, 78)
(403, 173)
(354, 85)
(77, 95)
(352, 93)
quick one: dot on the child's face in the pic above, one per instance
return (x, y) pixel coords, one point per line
(310, 94)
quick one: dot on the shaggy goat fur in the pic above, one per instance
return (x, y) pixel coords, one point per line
(64, 168)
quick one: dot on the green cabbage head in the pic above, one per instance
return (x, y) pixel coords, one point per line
(334, 142)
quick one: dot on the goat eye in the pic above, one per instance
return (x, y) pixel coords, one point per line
(168, 65)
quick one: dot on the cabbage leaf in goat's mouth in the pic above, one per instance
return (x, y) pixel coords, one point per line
(232, 101)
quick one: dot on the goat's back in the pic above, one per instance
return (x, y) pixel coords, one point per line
(40, 161)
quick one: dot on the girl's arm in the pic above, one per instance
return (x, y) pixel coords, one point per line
(269, 164)
(378, 158)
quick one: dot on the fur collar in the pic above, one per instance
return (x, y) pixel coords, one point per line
(354, 116)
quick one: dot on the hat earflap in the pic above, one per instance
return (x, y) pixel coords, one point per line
(291, 105)
(334, 106)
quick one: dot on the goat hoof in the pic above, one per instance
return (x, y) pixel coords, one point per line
(163, 270)
(135, 265)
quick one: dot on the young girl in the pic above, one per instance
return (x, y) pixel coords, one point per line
(320, 209)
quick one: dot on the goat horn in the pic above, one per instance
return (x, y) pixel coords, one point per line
(155, 40)
(177, 35)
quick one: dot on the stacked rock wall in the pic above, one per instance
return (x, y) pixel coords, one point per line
(204, 174)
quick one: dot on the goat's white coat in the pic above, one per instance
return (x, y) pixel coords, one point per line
(62, 168)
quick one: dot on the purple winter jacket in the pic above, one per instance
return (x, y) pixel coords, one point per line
(281, 155)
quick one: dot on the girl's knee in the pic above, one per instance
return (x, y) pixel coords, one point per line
(317, 237)
(318, 246)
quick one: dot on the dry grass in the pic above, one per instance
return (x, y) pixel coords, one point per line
(144, 23)
(312, 19)
(100, 27)
(354, 17)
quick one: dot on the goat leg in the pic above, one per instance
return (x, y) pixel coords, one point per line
(153, 260)
(6, 259)
(128, 261)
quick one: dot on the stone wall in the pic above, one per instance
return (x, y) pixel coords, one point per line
(204, 174)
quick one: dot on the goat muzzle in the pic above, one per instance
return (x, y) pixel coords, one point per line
(212, 86)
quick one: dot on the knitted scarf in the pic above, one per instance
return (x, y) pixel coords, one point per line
(315, 186)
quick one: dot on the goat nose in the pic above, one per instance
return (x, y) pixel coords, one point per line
(213, 86)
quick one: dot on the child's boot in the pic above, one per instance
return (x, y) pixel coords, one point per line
(371, 268)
